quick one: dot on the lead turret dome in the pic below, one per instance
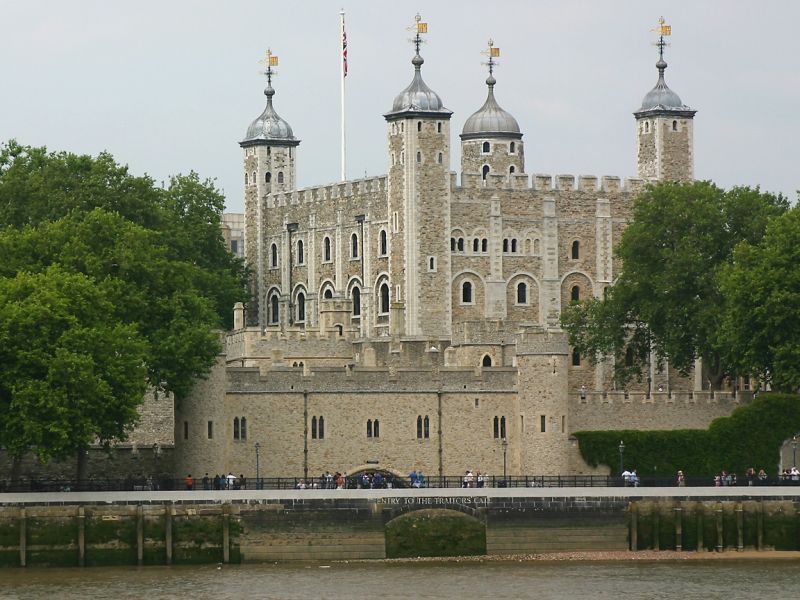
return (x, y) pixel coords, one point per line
(269, 126)
(417, 98)
(661, 98)
(491, 120)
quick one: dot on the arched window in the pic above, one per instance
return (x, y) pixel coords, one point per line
(576, 358)
(452, 244)
(460, 244)
(674, 126)
(432, 263)
(439, 158)
(514, 245)
(385, 298)
(522, 293)
(246, 179)
(419, 125)
(313, 428)
(496, 429)
(354, 246)
(512, 147)
(254, 178)
(273, 256)
(426, 424)
(484, 245)
(243, 432)
(326, 249)
(536, 247)
(511, 169)
(356, 294)
(419, 157)
(503, 427)
(280, 176)
(466, 292)
(647, 127)
(273, 309)
(419, 427)
(376, 428)
(301, 307)
(487, 361)
(327, 294)
(384, 243)
(575, 293)
(485, 172)
(576, 250)
(269, 151)
(475, 244)
(301, 255)
(505, 245)
(236, 431)
(485, 148)
(369, 428)
(268, 177)
(321, 428)
(438, 128)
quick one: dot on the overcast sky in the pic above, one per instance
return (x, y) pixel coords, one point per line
(170, 86)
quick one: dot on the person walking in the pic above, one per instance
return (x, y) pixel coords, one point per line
(681, 480)
(189, 481)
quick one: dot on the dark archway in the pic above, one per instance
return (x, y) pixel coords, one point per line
(434, 532)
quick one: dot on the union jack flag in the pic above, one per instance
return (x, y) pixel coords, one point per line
(344, 50)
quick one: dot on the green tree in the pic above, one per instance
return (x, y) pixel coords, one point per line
(72, 372)
(667, 298)
(761, 325)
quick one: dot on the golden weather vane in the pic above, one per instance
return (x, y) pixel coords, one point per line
(270, 60)
(418, 27)
(492, 52)
(663, 31)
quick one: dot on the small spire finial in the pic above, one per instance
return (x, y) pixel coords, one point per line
(492, 52)
(663, 31)
(418, 27)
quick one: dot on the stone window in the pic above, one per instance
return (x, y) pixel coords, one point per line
(452, 244)
(327, 294)
(563, 423)
(273, 309)
(301, 255)
(486, 148)
(268, 177)
(484, 245)
(485, 172)
(522, 293)
(647, 127)
(239, 428)
(514, 245)
(499, 429)
(211, 430)
(536, 249)
(373, 428)
(440, 158)
(460, 244)
(326, 249)
(674, 126)
(419, 157)
(301, 308)
(439, 128)
(356, 296)
(318, 428)
(575, 293)
(254, 178)
(186, 430)
(487, 361)
(505, 245)
(269, 151)
(235, 246)
(576, 358)
(384, 306)
(384, 243)
(246, 179)
(395, 222)
(236, 429)
(432, 264)
(475, 245)
(512, 148)
(576, 250)
(423, 427)
(512, 169)
(354, 246)
(280, 176)
(466, 292)
(543, 423)
(273, 256)
(419, 125)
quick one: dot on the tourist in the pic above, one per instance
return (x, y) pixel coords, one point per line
(206, 482)
(795, 475)
(231, 480)
(762, 477)
(377, 481)
(626, 478)
(421, 478)
(241, 482)
(413, 478)
(189, 481)
(750, 474)
(634, 478)
(481, 479)
(681, 479)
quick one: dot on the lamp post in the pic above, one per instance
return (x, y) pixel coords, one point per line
(621, 456)
(505, 460)
(258, 470)
(794, 450)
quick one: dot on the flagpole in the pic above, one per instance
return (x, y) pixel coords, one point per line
(343, 67)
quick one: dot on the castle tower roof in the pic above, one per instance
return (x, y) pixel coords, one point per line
(491, 120)
(417, 99)
(661, 99)
(269, 127)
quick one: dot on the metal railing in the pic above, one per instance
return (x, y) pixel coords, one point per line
(358, 481)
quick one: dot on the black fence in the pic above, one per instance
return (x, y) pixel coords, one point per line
(365, 481)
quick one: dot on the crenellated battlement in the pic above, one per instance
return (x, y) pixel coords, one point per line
(550, 183)
(325, 193)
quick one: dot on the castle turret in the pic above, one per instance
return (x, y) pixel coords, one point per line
(419, 209)
(269, 166)
(665, 129)
(491, 142)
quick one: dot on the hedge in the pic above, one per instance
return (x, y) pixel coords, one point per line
(750, 437)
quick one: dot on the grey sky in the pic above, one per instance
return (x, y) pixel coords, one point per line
(171, 86)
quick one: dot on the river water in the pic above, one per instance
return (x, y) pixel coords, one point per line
(705, 580)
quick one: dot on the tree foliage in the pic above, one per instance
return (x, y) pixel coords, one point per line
(152, 257)
(667, 297)
(761, 286)
(751, 436)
